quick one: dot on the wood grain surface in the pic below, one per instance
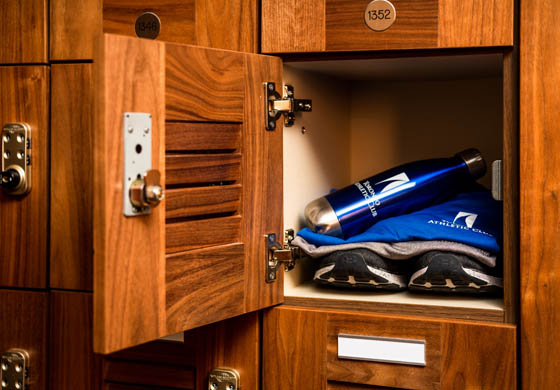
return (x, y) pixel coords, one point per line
(181, 169)
(204, 286)
(199, 201)
(71, 222)
(73, 29)
(24, 97)
(194, 136)
(295, 351)
(384, 374)
(333, 385)
(291, 27)
(203, 84)
(129, 262)
(262, 183)
(232, 343)
(24, 31)
(539, 194)
(72, 363)
(231, 25)
(478, 357)
(23, 320)
(148, 374)
(415, 27)
(475, 23)
(183, 236)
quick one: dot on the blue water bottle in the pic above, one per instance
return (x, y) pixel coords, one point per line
(399, 190)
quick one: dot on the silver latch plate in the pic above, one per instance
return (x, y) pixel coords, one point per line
(497, 180)
(16, 154)
(137, 136)
(14, 370)
(224, 378)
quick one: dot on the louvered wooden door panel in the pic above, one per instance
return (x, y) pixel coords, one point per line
(199, 257)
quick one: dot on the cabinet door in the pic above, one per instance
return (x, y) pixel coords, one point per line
(198, 257)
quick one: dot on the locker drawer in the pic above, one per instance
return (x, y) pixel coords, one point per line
(339, 25)
(473, 355)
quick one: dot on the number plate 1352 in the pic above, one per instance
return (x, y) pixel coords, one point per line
(380, 15)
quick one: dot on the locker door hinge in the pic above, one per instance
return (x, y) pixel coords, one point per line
(287, 105)
(278, 254)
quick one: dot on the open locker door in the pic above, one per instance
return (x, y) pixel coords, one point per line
(199, 256)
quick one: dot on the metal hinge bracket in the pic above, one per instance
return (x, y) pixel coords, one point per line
(224, 378)
(278, 254)
(287, 105)
(14, 370)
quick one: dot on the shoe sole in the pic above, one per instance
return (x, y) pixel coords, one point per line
(448, 275)
(357, 274)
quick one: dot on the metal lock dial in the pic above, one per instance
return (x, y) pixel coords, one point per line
(15, 176)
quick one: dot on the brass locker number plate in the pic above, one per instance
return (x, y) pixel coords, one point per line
(380, 15)
(224, 378)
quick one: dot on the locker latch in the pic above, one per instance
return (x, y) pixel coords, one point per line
(14, 370)
(287, 105)
(16, 159)
(278, 254)
(223, 378)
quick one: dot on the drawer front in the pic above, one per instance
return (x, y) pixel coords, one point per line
(457, 354)
(339, 25)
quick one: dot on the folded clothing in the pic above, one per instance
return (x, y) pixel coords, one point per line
(473, 219)
(399, 250)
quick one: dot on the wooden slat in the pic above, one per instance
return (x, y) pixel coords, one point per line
(230, 343)
(232, 25)
(291, 27)
(129, 253)
(23, 31)
(71, 223)
(475, 23)
(24, 92)
(295, 351)
(177, 18)
(183, 236)
(160, 352)
(192, 136)
(148, 374)
(384, 374)
(478, 356)
(262, 182)
(203, 84)
(192, 275)
(540, 193)
(202, 168)
(416, 26)
(191, 202)
(73, 29)
(23, 320)
(72, 363)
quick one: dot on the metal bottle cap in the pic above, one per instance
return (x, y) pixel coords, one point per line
(475, 162)
(321, 218)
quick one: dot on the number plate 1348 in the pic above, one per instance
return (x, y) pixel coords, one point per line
(380, 15)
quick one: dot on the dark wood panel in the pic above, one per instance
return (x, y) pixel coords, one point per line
(331, 385)
(71, 222)
(385, 374)
(203, 84)
(262, 182)
(475, 23)
(192, 202)
(73, 365)
(119, 386)
(230, 343)
(159, 351)
(23, 320)
(148, 374)
(24, 97)
(183, 236)
(416, 26)
(192, 275)
(477, 356)
(73, 28)
(129, 269)
(539, 194)
(202, 168)
(189, 136)
(291, 27)
(295, 351)
(23, 31)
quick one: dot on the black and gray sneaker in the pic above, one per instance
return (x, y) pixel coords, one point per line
(362, 268)
(453, 273)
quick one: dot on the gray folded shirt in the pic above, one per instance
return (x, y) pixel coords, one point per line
(399, 250)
